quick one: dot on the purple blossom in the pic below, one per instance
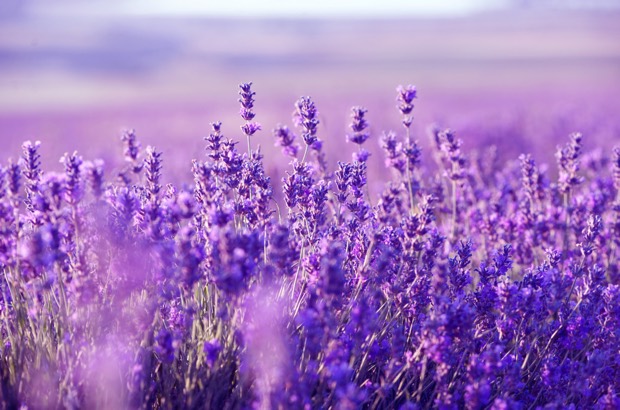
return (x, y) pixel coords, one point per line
(250, 128)
(132, 149)
(212, 351)
(358, 126)
(74, 184)
(285, 138)
(469, 284)
(305, 116)
(247, 101)
(406, 95)
(394, 152)
(568, 162)
(405, 98)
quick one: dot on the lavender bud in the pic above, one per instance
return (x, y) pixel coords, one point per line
(215, 141)
(393, 152)
(153, 164)
(306, 116)
(568, 162)
(94, 176)
(31, 170)
(413, 153)
(285, 139)
(250, 128)
(502, 260)
(132, 149)
(530, 177)
(358, 126)
(247, 101)
(591, 232)
(232, 163)
(14, 177)
(405, 98)
(73, 171)
(361, 156)
(343, 178)
(451, 147)
(32, 161)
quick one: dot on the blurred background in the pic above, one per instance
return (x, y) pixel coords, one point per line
(518, 74)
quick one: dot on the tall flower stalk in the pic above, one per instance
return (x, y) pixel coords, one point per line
(247, 106)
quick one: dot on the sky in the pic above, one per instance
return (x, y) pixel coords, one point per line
(262, 8)
(283, 8)
(309, 8)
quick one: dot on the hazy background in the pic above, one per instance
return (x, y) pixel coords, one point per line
(515, 73)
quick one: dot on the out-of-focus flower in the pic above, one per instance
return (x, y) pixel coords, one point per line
(285, 138)
(212, 349)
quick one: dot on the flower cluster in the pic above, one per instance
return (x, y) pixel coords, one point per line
(461, 285)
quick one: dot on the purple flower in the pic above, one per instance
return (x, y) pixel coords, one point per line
(281, 251)
(250, 128)
(31, 161)
(132, 149)
(358, 126)
(44, 247)
(361, 156)
(451, 148)
(31, 170)
(14, 178)
(214, 141)
(413, 153)
(165, 345)
(212, 349)
(247, 101)
(568, 162)
(153, 164)
(74, 185)
(235, 260)
(343, 180)
(405, 98)
(285, 139)
(94, 176)
(590, 233)
(297, 186)
(332, 274)
(190, 254)
(306, 117)
(502, 260)
(394, 152)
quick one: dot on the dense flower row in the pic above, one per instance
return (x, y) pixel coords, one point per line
(467, 285)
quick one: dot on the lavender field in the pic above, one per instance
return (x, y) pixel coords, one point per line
(322, 237)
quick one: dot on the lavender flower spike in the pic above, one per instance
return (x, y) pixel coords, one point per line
(247, 101)
(358, 126)
(306, 116)
(405, 98)
(247, 104)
